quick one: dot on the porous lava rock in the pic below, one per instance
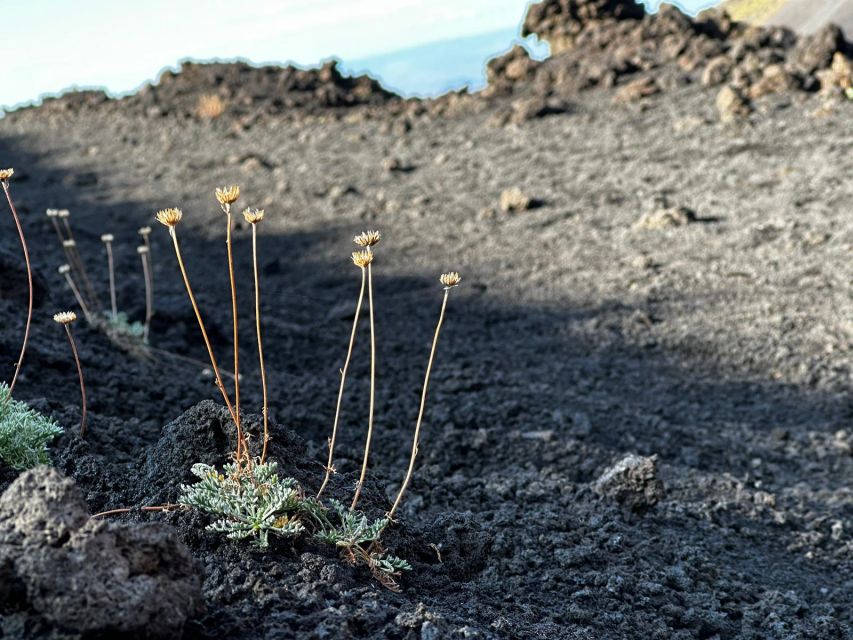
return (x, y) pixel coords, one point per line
(633, 482)
(65, 575)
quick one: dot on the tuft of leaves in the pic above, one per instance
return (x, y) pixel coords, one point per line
(24, 433)
(253, 501)
(358, 539)
(250, 503)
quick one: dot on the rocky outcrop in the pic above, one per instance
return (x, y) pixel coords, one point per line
(63, 574)
(613, 43)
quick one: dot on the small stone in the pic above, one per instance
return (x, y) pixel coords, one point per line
(717, 71)
(514, 200)
(731, 106)
(632, 482)
(637, 90)
(667, 218)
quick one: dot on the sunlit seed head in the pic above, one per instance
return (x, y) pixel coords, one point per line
(63, 213)
(367, 238)
(362, 258)
(253, 216)
(68, 244)
(144, 231)
(142, 250)
(64, 269)
(450, 279)
(65, 317)
(5, 174)
(169, 217)
(52, 213)
(107, 237)
(227, 195)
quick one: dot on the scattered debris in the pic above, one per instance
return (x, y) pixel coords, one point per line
(667, 218)
(514, 200)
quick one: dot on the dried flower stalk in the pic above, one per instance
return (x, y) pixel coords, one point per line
(449, 280)
(367, 240)
(65, 318)
(171, 218)
(145, 255)
(253, 217)
(359, 262)
(5, 174)
(107, 239)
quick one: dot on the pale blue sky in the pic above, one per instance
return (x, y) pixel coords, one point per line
(51, 45)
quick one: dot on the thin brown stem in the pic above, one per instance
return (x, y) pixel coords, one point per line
(113, 512)
(421, 410)
(78, 297)
(260, 343)
(149, 294)
(236, 340)
(113, 305)
(80, 375)
(332, 440)
(29, 283)
(193, 361)
(372, 390)
(213, 364)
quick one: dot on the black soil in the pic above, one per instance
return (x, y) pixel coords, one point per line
(594, 326)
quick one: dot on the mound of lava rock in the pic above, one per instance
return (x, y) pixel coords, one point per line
(211, 90)
(614, 43)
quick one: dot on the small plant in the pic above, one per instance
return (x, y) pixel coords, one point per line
(250, 504)
(24, 433)
(358, 538)
(65, 318)
(5, 175)
(210, 107)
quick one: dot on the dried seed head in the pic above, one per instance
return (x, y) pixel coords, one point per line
(253, 216)
(362, 258)
(52, 213)
(66, 317)
(142, 250)
(367, 238)
(227, 195)
(144, 231)
(5, 174)
(450, 279)
(64, 269)
(63, 213)
(169, 217)
(68, 244)
(107, 237)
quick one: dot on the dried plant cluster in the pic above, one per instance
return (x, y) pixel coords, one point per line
(248, 498)
(114, 323)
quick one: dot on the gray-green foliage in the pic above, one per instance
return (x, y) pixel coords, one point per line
(24, 433)
(258, 502)
(248, 506)
(121, 326)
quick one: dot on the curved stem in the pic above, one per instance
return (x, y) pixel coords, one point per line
(343, 382)
(372, 390)
(260, 343)
(216, 374)
(113, 305)
(240, 443)
(80, 375)
(421, 410)
(29, 283)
